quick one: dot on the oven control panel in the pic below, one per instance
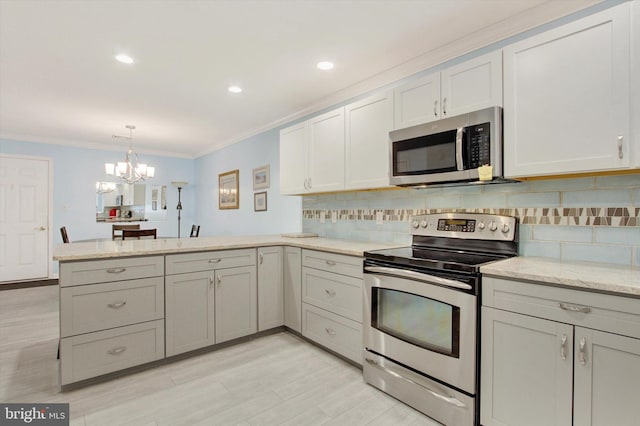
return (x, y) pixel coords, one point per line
(466, 225)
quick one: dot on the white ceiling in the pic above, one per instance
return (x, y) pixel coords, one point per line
(59, 82)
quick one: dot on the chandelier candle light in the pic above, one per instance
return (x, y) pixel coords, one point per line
(179, 185)
(130, 170)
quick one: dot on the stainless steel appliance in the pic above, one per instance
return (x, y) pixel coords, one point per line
(421, 312)
(447, 150)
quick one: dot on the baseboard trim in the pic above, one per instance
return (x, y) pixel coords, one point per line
(13, 285)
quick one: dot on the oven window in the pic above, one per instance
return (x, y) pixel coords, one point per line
(425, 154)
(418, 320)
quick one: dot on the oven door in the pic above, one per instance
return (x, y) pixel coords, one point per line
(425, 322)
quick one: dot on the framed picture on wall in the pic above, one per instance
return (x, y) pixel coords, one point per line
(260, 202)
(228, 190)
(261, 177)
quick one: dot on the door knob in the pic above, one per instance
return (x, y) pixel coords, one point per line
(42, 228)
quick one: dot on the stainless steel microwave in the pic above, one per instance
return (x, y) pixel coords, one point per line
(447, 150)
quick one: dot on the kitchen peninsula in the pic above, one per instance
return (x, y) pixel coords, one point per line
(128, 303)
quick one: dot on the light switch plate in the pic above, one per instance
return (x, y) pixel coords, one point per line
(334, 216)
(379, 218)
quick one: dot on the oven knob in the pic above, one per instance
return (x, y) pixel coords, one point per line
(415, 224)
(424, 223)
(505, 229)
(481, 226)
(493, 226)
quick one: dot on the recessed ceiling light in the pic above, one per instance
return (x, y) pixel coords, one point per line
(325, 65)
(125, 59)
(235, 89)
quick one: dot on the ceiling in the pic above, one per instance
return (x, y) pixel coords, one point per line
(60, 83)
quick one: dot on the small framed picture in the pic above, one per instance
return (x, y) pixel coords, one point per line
(260, 202)
(261, 177)
(229, 193)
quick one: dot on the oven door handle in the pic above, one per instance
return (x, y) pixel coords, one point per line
(419, 276)
(446, 398)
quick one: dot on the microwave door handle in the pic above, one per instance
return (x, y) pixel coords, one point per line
(459, 136)
(418, 276)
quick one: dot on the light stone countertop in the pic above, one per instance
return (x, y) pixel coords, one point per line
(623, 280)
(109, 249)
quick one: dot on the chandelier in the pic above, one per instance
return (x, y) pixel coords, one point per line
(130, 170)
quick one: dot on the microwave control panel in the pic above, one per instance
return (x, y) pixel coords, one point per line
(479, 145)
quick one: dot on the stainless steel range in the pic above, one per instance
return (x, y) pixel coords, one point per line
(422, 316)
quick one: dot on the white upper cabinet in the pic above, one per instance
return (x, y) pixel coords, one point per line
(293, 159)
(635, 82)
(368, 123)
(326, 152)
(472, 85)
(566, 98)
(469, 86)
(417, 102)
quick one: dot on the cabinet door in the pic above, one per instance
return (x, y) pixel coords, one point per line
(367, 126)
(566, 98)
(293, 159)
(472, 85)
(127, 194)
(417, 102)
(270, 288)
(293, 288)
(189, 308)
(236, 303)
(526, 370)
(607, 373)
(326, 152)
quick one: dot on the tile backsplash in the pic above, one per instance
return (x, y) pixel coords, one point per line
(592, 219)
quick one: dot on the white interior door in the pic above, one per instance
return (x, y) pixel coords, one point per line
(24, 218)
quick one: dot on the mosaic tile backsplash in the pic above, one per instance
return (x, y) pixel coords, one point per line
(593, 219)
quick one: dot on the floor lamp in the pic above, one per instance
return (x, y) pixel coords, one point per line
(179, 185)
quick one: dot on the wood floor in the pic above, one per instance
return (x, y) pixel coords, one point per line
(273, 380)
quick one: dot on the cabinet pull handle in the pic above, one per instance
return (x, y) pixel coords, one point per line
(117, 305)
(117, 351)
(210, 280)
(330, 332)
(330, 292)
(218, 280)
(261, 258)
(212, 261)
(583, 352)
(435, 108)
(574, 308)
(563, 347)
(116, 270)
(331, 263)
(444, 106)
(620, 153)
(309, 183)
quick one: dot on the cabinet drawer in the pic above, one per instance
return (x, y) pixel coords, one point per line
(338, 263)
(96, 307)
(339, 334)
(108, 270)
(94, 354)
(209, 260)
(339, 294)
(615, 314)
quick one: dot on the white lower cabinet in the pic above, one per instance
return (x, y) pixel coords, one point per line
(332, 302)
(270, 288)
(554, 356)
(292, 280)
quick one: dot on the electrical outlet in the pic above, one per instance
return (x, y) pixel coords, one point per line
(379, 218)
(323, 216)
(334, 216)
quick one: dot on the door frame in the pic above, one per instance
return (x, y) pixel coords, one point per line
(49, 161)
